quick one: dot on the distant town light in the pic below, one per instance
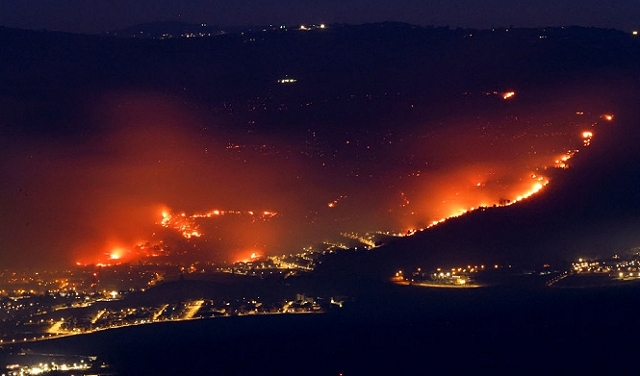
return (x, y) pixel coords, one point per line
(635, 32)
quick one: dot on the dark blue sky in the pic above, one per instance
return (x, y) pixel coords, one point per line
(99, 15)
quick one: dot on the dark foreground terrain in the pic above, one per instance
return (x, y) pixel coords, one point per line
(405, 330)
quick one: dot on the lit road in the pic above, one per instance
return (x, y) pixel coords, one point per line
(193, 309)
(557, 279)
(159, 312)
(56, 328)
(98, 315)
(438, 285)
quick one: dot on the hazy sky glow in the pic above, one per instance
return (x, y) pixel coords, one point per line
(94, 16)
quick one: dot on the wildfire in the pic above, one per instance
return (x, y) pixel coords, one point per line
(187, 224)
(475, 186)
(254, 256)
(539, 181)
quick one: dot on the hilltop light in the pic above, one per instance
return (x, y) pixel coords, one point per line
(635, 32)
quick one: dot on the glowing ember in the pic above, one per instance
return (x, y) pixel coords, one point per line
(334, 203)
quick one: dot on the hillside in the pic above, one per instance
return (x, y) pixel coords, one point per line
(590, 210)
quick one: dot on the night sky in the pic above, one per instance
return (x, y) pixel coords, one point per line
(94, 16)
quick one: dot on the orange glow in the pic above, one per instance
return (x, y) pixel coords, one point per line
(475, 197)
(113, 254)
(249, 256)
(117, 254)
(607, 117)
